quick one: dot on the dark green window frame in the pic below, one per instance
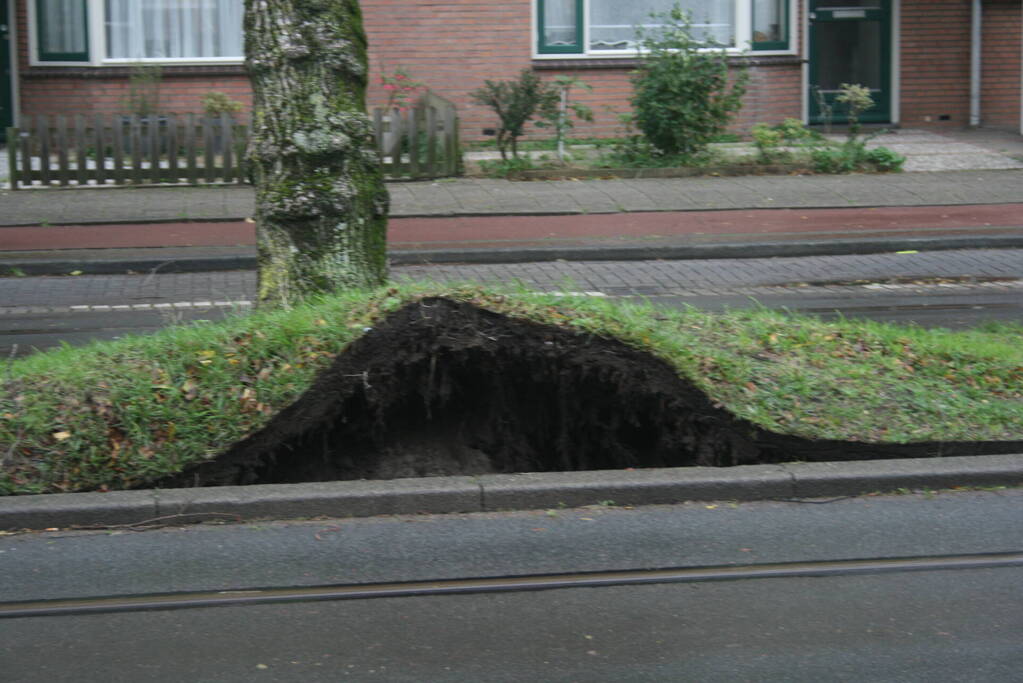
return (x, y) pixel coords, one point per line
(786, 23)
(543, 48)
(44, 56)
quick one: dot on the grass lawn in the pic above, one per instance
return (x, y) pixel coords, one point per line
(119, 414)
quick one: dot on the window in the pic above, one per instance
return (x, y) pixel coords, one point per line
(62, 35)
(173, 29)
(605, 27)
(123, 31)
(770, 24)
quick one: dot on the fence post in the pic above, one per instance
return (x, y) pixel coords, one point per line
(241, 153)
(43, 134)
(450, 142)
(193, 176)
(99, 142)
(154, 148)
(82, 170)
(431, 141)
(414, 116)
(63, 167)
(226, 146)
(207, 143)
(117, 133)
(172, 148)
(136, 150)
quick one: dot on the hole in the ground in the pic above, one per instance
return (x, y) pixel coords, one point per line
(444, 388)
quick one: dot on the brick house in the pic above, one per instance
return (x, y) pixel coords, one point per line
(930, 63)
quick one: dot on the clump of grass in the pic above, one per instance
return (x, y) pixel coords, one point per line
(118, 414)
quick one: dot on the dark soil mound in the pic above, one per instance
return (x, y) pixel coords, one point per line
(443, 388)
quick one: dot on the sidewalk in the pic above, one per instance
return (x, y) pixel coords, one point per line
(108, 230)
(486, 220)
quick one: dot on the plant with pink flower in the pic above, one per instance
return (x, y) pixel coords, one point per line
(401, 88)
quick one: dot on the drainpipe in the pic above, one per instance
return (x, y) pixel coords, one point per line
(976, 55)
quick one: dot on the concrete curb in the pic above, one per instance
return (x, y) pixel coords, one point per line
(489, 493)
(831, 247)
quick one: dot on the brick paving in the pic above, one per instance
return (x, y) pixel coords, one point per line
(486, 196)
(994, 269)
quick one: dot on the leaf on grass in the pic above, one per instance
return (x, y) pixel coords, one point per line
(190, 389)
(62, 436)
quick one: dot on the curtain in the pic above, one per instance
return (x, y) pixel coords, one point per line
(174, 29)
(768, 21)
(612, 22)
(559, 23)
(63, 24)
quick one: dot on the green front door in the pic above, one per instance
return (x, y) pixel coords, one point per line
(6, 84)
(850, 42)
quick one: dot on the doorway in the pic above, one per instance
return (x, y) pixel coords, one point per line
(850, 42)
(6, 71)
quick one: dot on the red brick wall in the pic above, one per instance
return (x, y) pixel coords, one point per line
(935, 63)
(774, 93)
(452, 47)
(431, 41)
(51, 93)
(63, 90)
(1002, 58)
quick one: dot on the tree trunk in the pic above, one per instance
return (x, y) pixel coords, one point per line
(321, 203)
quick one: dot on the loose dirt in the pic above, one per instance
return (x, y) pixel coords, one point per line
(445, 388)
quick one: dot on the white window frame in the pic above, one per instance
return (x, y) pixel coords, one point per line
(743, 35)
(97, 32)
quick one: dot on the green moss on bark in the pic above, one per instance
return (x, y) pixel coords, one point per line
(321, 203)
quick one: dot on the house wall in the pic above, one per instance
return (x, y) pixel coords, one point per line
(454, 46)
(430, 41)
(90, 90)
(935, 47)
(1001, 66)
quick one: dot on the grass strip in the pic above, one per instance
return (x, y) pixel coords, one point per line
(116, 415)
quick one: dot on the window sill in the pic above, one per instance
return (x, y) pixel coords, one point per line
(581, 63)
(168, 70)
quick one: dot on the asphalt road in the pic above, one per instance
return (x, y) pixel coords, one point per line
(954, 289)
(952, 624)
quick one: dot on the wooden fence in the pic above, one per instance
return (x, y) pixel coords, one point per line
(421, 141)
(127, 150)
(63, 151)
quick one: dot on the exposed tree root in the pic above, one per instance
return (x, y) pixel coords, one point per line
(442, 388)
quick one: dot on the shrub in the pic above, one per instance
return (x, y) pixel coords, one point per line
(682, 98)
(515, 103)
(767, 139)
(884, 159)
(559, 118)
(215, 103)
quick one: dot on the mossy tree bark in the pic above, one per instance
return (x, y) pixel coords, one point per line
(321, 203)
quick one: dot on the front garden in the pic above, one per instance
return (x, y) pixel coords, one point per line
(684, 98)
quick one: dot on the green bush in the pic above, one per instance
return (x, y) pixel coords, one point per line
(515, 103)
(833, 160)
(884, 159)
(682, 98)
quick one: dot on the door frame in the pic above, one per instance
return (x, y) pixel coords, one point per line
(11, 18)
(893, 77)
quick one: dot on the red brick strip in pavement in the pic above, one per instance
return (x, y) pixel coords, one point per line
(496, 230)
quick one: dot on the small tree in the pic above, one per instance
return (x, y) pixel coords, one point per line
(321, 203)
(682, 98)
(143, 97)
(515, 103)
(562, 121)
